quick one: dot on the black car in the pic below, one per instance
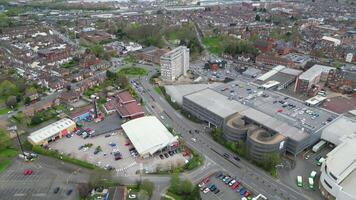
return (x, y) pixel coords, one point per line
(166, 155)
(69, 192)
(56, 190)
(236, 158)
(226, 155)
(161, 156)
(170, 153)
(107, 135)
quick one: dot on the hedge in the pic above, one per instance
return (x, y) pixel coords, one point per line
(65, 158)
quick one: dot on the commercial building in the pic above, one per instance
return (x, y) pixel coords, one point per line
(175, 63)
(338, 172)
(312, 77)
(148, 135)
(52, 132)
(125, 105)
(342, 127)
(269, 122)
(279, 77)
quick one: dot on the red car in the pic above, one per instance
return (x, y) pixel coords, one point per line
(127, 144)
(206, 180)
(27, 171)
(247, 193)
(88, 130)
(235, 185)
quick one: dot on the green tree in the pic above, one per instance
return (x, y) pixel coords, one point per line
(7, 88)
(143, 195)
(186, 187)
(27, 100)
(5, 140)
(148, 186)
(174, 184)
(98, 50)
(36, 119)
(257, 18)
(11, 101)
(195, 194)
(30, 91)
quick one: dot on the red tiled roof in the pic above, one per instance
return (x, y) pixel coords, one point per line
(130, 109)
(125, 97)
(80, 111)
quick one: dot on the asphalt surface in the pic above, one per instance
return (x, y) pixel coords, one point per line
(254, 178)
(48, 173)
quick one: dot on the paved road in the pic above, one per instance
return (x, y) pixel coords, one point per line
(255, 179)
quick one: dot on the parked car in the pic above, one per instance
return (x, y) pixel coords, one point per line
(107, 135)
(112, 144)
(166, 155)
(216, 191)
(56, 190)
(206, 190)
(161, 156)
(27, 172)
(237, 158)
(69, 192)
(226, 155)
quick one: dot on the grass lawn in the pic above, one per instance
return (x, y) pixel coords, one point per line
(213, 45)
(5, 158)
(174, 196)
(158, 90)
(4, 111)
(134, 71)
(132, 190)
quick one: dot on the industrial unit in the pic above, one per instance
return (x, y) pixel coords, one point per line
(52, 132)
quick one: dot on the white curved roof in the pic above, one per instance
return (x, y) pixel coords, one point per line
(148, 134)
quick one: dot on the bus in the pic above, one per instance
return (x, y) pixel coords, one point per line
(299, 181)
(320, 161)
(311, 183)
(313, 174)
(318, 146)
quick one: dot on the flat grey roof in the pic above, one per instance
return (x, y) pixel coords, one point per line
(342, 127)
(344, 167)
(215, 102)
(314, 72)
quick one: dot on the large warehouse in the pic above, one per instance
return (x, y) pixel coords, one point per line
(52, 132)
(148, 135)
(284, 124)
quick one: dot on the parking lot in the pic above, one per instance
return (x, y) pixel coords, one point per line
(305, 163)
(230, 189)
(14, 184)
(111, 143)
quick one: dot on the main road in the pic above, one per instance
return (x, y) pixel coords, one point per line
(254, 178)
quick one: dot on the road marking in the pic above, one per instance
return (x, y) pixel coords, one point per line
(39, 195)
(19, 195)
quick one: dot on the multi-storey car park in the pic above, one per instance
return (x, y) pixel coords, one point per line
(267, 120)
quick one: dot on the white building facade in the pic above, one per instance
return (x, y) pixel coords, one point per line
(175, 63)
(338, 172)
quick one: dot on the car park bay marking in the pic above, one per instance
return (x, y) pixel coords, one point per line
(19, 195)
(39, 195)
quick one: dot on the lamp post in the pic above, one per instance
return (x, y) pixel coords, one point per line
(14, 128)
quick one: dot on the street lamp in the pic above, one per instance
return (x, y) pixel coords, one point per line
(14, 128)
